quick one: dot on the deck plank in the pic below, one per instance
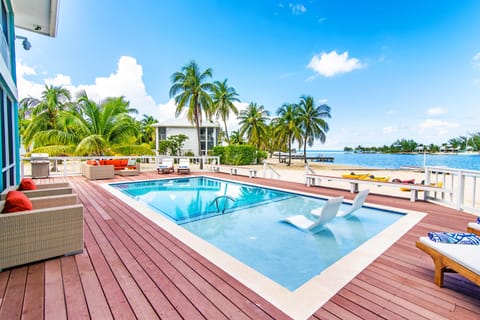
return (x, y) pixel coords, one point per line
(12, 301)
(131, 268)
(34, 292)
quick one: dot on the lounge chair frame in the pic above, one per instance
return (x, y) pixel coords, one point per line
(42, 233)
(43, 190)
(444, 264)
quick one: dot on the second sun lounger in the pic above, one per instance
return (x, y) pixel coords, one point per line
(461, 258)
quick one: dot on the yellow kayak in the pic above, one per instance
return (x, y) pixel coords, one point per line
(352, 175)
(373, 178)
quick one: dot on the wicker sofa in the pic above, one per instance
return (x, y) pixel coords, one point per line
(54, 227)
(43, 190)
(106, 169)
(94, 172)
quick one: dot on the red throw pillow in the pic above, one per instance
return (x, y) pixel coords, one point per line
(16, 201)
(27, 184)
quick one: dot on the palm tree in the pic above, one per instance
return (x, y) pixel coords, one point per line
(223, 98)
(253, 124)
(191, 89)
(236, 137)
(97, 128)
(44, 113)
(147, 130)
(312, 122)
(288, 126)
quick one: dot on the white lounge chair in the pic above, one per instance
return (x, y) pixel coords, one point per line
(357, 203)
(461, 258)
(329, 211)
(183, 166)
(166, 166)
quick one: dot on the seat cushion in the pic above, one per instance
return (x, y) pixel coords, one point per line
(27, 184)
(16, 201)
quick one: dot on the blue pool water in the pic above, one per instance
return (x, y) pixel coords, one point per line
(250, 227)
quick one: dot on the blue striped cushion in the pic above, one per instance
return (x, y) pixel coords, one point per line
(456, 238)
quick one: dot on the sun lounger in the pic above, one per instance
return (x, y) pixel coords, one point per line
(357, 204)
(166, 166)
(328, 212)
(42, 190)
(474, 227)
(183, 166)
(54, 227)
(461, 258)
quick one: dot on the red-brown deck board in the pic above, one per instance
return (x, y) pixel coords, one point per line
(131, 268)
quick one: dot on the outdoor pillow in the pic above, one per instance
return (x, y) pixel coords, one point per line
(16, 201)
(478, 220)
(27, 184)
(455, 238)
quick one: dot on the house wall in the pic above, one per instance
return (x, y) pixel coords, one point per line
(191, 143)
(9, 138)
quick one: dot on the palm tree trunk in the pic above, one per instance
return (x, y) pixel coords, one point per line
(226, 131)
(197, 124)
(305, 150)
(289, 151)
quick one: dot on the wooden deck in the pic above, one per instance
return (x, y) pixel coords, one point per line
(131, 268)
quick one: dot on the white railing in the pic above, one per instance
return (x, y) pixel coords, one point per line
(267, 167)
(464, 185)
(69, 166)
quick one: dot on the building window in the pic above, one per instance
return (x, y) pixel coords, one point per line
(162, 133)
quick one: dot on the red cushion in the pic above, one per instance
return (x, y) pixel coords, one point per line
(16, 201)
(92, 162)
(27, 184)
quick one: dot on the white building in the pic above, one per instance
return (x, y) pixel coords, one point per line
(209, 133)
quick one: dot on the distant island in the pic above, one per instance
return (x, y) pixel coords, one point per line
(454, 145)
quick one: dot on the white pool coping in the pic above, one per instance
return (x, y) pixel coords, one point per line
(303, 302)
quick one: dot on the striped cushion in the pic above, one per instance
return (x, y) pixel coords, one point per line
(456, 238)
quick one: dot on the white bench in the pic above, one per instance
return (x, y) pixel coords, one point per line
(312, 180)
(252, 172)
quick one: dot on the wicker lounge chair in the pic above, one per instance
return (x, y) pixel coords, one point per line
(43, 190)
(447, 257)
(54, 227)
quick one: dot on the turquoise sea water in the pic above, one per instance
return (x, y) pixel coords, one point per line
(395, 161)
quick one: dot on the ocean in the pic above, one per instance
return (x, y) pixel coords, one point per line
(396, 161)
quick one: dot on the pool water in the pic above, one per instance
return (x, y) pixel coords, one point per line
(245, 222)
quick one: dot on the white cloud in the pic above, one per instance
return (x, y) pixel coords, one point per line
(330, 64)
(436, 111)
(125, 81)
(476, 60)
(389, 129)
(297, 8)
(433, 126)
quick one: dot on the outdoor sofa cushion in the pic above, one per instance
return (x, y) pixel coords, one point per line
(16, 201)
(27, 184)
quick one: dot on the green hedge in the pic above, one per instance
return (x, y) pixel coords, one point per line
(236, 154)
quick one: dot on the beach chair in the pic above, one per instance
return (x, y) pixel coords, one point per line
(53, 227)
(357, 204)
(183, 166)
(32, 189)
(166, 166)
(474, 227)
(449, 257)
(328, 212)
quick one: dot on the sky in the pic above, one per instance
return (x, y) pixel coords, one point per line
(388, 70)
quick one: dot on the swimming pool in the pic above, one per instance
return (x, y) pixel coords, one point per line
(245, 222)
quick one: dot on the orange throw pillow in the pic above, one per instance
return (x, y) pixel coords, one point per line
(16, 201)
(27, 184)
